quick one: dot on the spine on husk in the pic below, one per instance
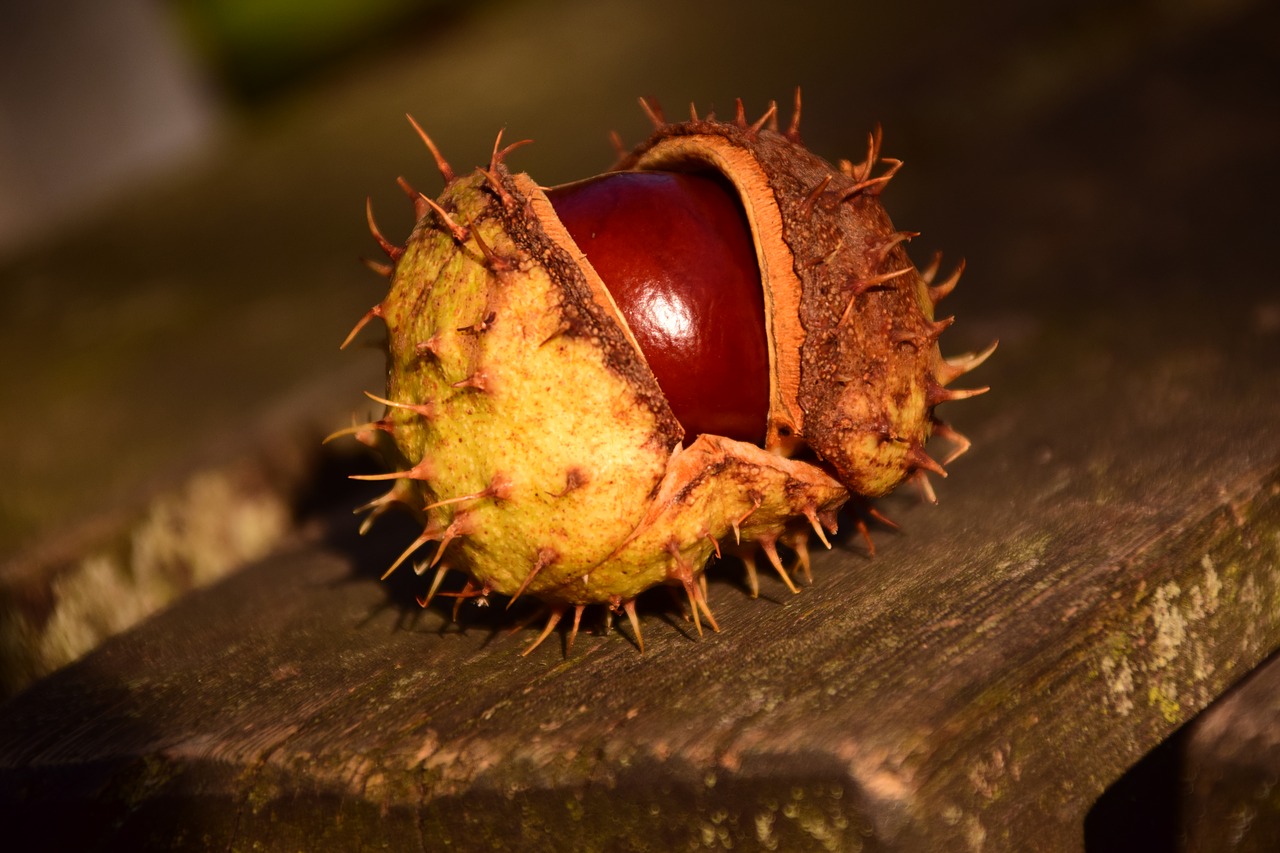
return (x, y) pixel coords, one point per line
(532, 440)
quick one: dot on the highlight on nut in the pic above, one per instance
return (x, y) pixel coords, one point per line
(596, 388)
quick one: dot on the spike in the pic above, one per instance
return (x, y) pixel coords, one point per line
(756, 501)
(429, 347)
(384, 270)
(872, 512)
(653, 110)
(799, 542)
(866, 537)
(419, 200)
(966, 393)
(753, 581)
(376, 508)
(740, 114)
(393, 251)
(460, 526)
(917, 458)
(811, 513)
(491, 175)
(441, 571)
(897, 238)
(552, 620)
(499, 488)
(937, 292)
(951, 368)
(630, 608)
(863, 285)
(916, 339)
(469, 590)
(935, 393)
(830, 521)
(806, 207)
(356, 429)
(574, 478)
(882, 518)
(936, 329)
(499, 155)
(693, 111)
(492, 259)
(715, 543)
(367, 524)
(793, 129)
(883, 181)
(865, 184)
(862, 171)
(770, 115)
(698, 600)
(684, 573)
(375, 311)
(385, 498)
(693, 604)
(426, 410)
(478, 380)
(770, 549)
(825, 259)
(573, 631)
(491, 178)
(429, 534)
(931, 269)
(945, 432)
(546, 556)
(926, 488)
(446, 171)
(422, 471)
(619, 148)
(460, 233)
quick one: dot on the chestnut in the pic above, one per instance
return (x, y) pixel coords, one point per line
(591, 387)
(675, 252)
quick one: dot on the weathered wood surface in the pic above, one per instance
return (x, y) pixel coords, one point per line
(1100, 567)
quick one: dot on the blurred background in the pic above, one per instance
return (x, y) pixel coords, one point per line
(182, 190)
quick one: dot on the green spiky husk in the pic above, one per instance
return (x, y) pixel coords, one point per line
(535, 446)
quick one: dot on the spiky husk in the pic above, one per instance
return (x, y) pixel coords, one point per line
(539, 450)
(533, 441)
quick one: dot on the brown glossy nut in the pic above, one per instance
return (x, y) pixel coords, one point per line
(675, 252)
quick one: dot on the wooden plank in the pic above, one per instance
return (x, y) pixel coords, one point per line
(1100, 567)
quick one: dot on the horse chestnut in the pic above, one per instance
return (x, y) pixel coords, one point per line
(676, 254)
(590, 387)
